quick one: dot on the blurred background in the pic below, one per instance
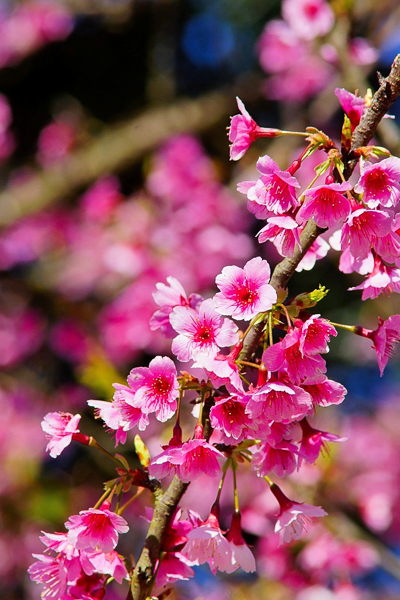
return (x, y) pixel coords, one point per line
(114, 174)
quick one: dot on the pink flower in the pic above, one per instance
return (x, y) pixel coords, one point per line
(52, 573)
(245, 292)
(279, 401)
(173, 567)
(352, 105)
(380, 183)
(244, 130)
(283, 231)
(275, 189)
(315, 335)
(308, 18)
(119, 415)
(326, 204)
(207, 544)
(279, 459)
(222, 369)
(362, 228)
(155, 389)
(107, 563)
(167, 297)
(228, 415)
(279, 47)
(384, 338)
(324, 391)
(242, 555)
(96, 529)
(293, 517)
(383, 279)
(189, 460)
(201, 333)
(288, 355)
(313, 441)
(59, 428)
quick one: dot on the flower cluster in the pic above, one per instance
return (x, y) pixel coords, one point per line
(362, 219)
(298, 54)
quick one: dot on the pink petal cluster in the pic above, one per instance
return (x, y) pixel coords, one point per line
(244, 130)
(155, 389)
(245, 292)
(59, 428)
(293, 517)
(96, 529)
(201, 333)
(189, 460)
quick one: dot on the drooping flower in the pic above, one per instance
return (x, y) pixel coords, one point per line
(278, 401)
(245, 292)
(383, 279)
(243, 131)
(315, 335)
(380, 183)
(207, 544)
(242, 555)
(119, 415)
(288, 356)
(384, 339)
(280, 459)
(52, 573)
(107, 563)
(173, 567)
(155, 389)
(293, 517)
(324, 391)
(201, 333)
(326, 204)
(96, 528)
(59, 428)
(313, 441)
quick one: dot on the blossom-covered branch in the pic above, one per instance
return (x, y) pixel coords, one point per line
(389, 90)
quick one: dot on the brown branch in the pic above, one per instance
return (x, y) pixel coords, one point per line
(165, 505)
(387, 93)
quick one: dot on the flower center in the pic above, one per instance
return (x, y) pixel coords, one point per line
(161, 386)
(244, 295)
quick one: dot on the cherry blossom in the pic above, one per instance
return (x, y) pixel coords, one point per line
(201, 333)
(384, 339)
(280, 459)
(293, 517)
(167, 297)
(207, 544)
(229, 416)
(308, 18)
(245, 292)
(279, 401)
(284, 232)
(242, 555)
(96, 528)
(313, 441)
(59, 428)
(326, 204)
(244, 130)
(275, 189)
(155, 389)
(380, 183)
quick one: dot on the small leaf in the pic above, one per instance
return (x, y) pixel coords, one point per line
(142, 451)
(310, 299)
